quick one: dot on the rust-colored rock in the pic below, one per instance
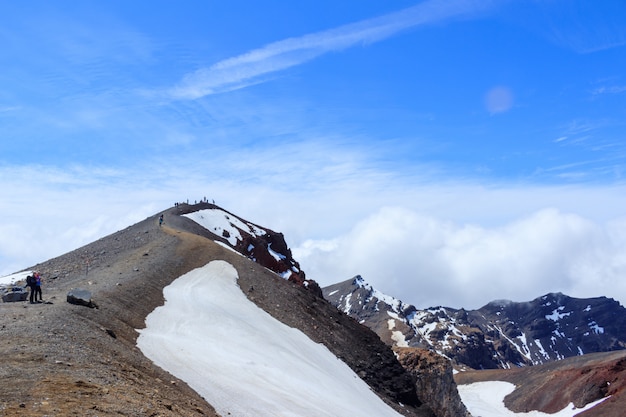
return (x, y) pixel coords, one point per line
(434, 381)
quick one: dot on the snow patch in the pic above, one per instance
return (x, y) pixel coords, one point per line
(242, 360)
(595, 328)
(217, 221)
(13, 278)
(396, 335)
(486, 399)
(275, 255)
(557, 314)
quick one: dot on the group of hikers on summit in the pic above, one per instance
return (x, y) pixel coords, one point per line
(34, 283)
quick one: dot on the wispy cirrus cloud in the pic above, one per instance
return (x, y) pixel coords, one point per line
(614, 89)
(257, 65)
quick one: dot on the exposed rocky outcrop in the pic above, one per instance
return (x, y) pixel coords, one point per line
(14, 294)
(434, 381)
(81, 297)
(262, 245)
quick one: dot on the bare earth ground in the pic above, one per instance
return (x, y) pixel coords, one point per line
(551, 387)
(59, 359)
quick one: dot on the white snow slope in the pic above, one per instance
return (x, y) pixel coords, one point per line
(486, 399)
(218, 221)
(242, 360)
(11, 279)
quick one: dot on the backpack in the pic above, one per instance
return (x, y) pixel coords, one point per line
(30, 280)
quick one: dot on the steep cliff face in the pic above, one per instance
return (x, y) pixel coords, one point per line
(502, 334)
(434, 381)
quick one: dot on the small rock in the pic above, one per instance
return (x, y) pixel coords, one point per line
(81, 297)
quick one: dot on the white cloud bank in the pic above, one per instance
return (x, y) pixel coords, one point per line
(426, 261)
(422, 240)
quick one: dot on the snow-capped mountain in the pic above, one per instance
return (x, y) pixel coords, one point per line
(502, 334)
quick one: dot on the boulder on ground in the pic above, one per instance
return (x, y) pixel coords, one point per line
(80, 297)
(14, 294)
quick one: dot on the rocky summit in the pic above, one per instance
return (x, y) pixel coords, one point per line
(502, 334)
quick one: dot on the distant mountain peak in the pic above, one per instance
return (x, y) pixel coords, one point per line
(499, 303)
(502, 334)
(360, 282)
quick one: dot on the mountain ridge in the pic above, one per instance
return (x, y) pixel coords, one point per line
(501, 334)
(65, 359)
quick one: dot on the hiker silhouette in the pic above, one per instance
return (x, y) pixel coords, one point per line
(34, 282)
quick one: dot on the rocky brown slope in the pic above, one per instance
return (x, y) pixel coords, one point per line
(60, 359)
(551, 387)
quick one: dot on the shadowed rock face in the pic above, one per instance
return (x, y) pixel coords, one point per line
(502, 334)
(434, 381)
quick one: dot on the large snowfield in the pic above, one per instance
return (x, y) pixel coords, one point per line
(242, 360)
(246, 363)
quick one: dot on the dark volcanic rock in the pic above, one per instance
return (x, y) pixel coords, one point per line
(264, 246)
(14, 294)
(80, 297)
(434, 381)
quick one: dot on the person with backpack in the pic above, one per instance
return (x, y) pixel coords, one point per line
(36, 288)
(30, 283)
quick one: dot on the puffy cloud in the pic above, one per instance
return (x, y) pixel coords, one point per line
(458, 244)
(427, 261)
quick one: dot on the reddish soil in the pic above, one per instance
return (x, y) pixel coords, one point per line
(551, 387)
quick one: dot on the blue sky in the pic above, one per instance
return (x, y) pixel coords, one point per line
(316, 118)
